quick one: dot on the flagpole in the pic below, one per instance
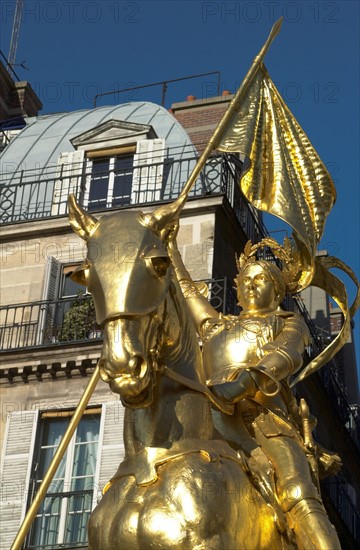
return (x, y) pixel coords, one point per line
(233, 108)
(40, 495)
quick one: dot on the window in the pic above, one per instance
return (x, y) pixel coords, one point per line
(75, 317)
(68, 315)
(111, 180)
(29, 444)
(68, 287)
(124, 164)
(135, 175)
(63, 515)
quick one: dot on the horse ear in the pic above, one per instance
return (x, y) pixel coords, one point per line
(78, 275)
(164, 216)
(82, 223)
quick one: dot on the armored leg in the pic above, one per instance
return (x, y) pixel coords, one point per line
(312, 527)
(298, 495)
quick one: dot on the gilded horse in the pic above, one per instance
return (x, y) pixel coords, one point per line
(180, 485)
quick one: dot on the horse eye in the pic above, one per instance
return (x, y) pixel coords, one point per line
(160, 265)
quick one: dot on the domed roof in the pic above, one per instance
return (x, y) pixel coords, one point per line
(39, 144)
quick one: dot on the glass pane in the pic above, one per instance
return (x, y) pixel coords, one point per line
(50, 506)
(46, 524)
(82, 484)
(85, 460)
(77, 518)
(52, 434)
(99, 184)
(88, 429)
(71, 288)
(53, 430)
(123, 172)
(124, 164)
(57, 483)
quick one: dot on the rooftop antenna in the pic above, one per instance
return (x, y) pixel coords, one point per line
(15, 33)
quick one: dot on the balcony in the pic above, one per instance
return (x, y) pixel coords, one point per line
(336, 489)
(45, 323)
(30, 195)
(72, 320)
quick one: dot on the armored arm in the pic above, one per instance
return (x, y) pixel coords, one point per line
(282, 357)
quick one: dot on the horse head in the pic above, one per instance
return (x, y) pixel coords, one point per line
(127, 272)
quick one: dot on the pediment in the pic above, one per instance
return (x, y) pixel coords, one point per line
(113, 133)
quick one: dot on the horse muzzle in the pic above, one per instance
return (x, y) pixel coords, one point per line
(129, 379)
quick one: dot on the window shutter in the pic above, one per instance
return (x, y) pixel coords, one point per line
(111, 445)
(141, 170)
(68, 179)
(51, 293)
(148, 171)
(15, 473)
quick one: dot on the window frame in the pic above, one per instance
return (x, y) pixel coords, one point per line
(56, 303)
(18, 457)
(63, 495)
(110, 182)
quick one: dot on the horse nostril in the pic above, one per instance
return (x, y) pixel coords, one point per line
(105, 373)
(136, 364)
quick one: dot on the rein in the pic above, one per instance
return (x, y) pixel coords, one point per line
(197, 386)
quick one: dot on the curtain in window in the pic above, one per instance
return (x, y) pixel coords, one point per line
(46, 525)
(83, 472)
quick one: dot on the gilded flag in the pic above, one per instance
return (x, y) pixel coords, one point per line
(283, 175)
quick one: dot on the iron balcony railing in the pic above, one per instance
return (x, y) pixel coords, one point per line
(70, 320)
(48, 322)
(336, 488)
(29, 195)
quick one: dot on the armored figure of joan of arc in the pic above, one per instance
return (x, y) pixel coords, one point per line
(248, 360)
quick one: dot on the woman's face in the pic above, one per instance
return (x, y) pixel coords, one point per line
(256, 291)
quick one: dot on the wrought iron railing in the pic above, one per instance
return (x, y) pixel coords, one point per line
(222, 295)
(70, 320)
(42, 193)
(38, 194)
(48, 322)
(82, 499)
(337, 489)
(339, 401)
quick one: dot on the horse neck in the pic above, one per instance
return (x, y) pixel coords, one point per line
(180, 349)
(176, 413)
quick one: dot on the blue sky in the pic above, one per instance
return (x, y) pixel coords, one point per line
(76, 49)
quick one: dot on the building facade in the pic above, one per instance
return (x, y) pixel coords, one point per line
(129, 156)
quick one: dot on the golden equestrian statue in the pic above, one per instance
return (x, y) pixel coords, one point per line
(218, 453)
(181, 484)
